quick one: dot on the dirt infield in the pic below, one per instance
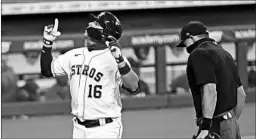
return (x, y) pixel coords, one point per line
(160, 123)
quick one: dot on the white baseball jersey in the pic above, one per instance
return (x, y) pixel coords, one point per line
(94, 82)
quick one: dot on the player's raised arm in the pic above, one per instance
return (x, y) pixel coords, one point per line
(129, 78)
(50, 33)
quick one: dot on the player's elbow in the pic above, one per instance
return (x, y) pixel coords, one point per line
(132, 91)
(135, 84)
(134, 87)
(135, 91)
(131, 81)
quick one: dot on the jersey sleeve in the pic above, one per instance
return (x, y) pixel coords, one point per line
(203, 68)
(60, 65)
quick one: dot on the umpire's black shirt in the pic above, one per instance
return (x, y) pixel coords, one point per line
(210, 63)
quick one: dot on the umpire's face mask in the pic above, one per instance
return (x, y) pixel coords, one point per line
(190, 44)
(191, 47)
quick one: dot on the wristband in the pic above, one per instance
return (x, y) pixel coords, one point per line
(47, 42)
(206, 123)
(121, 65)
(125, 69)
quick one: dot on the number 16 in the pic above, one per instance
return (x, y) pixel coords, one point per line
(96, 91)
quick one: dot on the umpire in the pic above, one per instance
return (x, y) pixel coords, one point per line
(216, 88)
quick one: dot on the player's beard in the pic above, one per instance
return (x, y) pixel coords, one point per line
(94, 44)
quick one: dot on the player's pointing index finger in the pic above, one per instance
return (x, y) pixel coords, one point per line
(56, 24)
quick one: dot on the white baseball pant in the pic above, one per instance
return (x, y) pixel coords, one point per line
(109, 130)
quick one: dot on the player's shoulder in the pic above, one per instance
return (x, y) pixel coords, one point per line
(75, 51)
(196, 55)
(198, 52)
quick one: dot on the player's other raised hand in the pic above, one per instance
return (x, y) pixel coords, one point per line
(115, 49)
(50, 33)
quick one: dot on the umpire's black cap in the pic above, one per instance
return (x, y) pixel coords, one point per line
(192, 28)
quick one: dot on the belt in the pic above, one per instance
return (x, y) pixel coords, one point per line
(224, 116)
(218, 118)
(94, 123)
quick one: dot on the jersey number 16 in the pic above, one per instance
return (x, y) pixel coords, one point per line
(96, 91)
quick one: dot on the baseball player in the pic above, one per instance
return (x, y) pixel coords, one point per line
(95, 73)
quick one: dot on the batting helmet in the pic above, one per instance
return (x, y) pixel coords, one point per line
(109, 25)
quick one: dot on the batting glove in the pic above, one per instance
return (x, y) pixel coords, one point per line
(115, 49)
(50, 33)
